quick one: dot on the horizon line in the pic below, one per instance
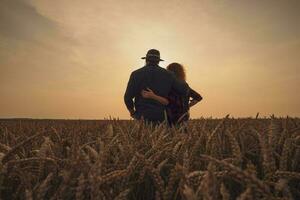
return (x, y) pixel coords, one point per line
(128, 119)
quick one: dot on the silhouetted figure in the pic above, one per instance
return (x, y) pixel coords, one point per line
(161, 81)
(177, 105)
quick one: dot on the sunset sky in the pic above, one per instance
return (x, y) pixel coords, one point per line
(72, 58)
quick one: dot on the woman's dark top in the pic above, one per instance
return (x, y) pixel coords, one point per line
(178, 106)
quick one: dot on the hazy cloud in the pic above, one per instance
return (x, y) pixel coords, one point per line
(19, 20)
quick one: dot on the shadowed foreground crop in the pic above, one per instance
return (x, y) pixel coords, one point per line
(208, 159)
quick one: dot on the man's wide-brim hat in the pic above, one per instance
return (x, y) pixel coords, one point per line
(153, 54)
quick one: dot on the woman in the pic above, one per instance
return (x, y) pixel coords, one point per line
(177, 106)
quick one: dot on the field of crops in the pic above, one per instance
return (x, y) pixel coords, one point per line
(204, 159)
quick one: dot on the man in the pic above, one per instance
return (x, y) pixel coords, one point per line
(159, 80)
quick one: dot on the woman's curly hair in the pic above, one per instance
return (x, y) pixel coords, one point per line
(178, 70)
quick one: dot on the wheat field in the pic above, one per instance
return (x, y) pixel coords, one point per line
(249, 158)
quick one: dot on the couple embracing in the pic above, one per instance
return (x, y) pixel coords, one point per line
(155, 94)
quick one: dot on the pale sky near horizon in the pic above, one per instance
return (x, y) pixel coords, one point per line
(72, 59)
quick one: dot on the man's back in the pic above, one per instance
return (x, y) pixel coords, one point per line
(157, 79)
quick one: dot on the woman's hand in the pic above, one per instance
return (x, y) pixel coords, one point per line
(193, 102)
(149, 94)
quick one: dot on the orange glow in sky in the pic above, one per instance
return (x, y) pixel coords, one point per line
(73, 58)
